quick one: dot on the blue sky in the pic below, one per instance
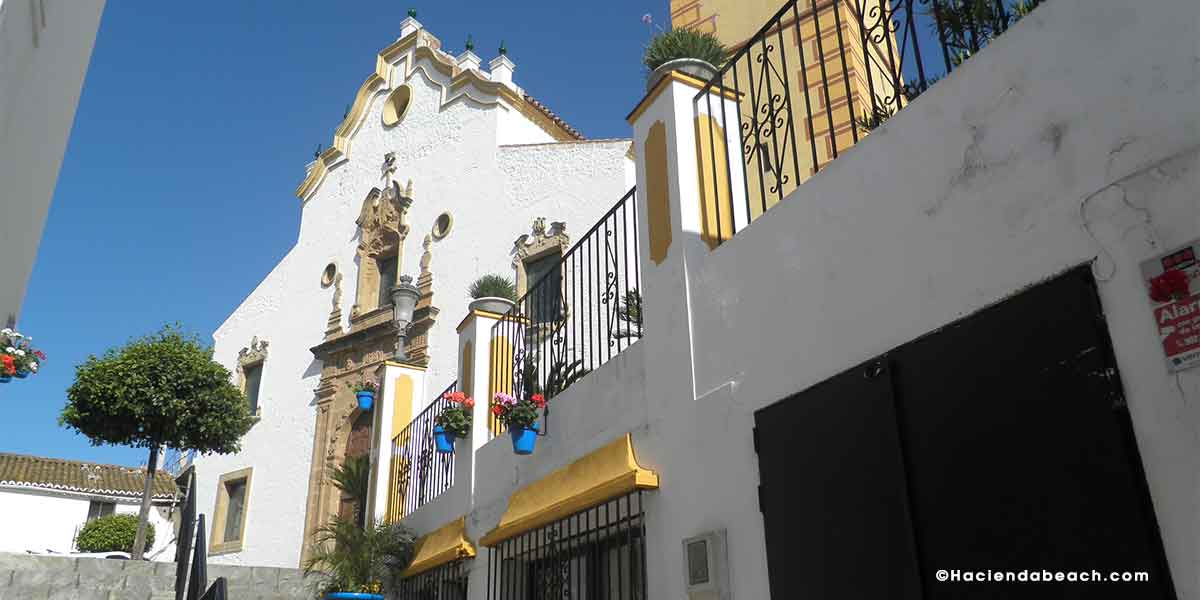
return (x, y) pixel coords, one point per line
(175, 196)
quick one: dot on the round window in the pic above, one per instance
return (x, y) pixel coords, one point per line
(328, 274)
(396, 105)
(442, 225)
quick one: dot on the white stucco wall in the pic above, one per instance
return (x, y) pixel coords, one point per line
(1034, 157)
(45, 522)
(981, 187)
(450, 152)
(39, 90)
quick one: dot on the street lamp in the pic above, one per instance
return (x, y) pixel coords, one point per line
(404, 302)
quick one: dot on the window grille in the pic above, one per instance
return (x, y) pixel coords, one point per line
(447, 582)
(596, 554)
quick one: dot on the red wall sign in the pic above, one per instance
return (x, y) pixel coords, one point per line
(1171, 286)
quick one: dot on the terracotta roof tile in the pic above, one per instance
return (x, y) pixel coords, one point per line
(575, 133)
(77, 476)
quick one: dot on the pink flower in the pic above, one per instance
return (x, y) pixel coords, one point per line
(647, 19)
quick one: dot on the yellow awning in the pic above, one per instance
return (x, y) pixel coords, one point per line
(440, 547)
(609, 472)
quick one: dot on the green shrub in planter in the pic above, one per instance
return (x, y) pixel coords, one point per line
(493, 286)
(684, 43)
(113, 533)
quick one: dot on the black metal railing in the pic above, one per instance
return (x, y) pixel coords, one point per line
(197, 581)
(447, 582)
(817, 77)
(599, 552)
(576, 316)
(187, 531)
(418, 472)
(191, 551)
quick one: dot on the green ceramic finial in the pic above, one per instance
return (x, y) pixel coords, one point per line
(503, 49)
(412, 13)
(470, 43)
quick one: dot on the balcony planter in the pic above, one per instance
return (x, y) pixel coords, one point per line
(524, 439)
(5, 378)
(364, 391)
(21, 374)
(454, 421)
(444, 439)
(352, 596)
(702, 70)
(365, 400)
(492, 304)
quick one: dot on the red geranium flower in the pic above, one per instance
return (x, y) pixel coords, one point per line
(9, 367)
(1172, 284)
(538, 399)
(39, 354)
(497, 409)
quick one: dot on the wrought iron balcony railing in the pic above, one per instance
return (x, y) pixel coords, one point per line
(814, 80)
(418, 472)
(577, 316)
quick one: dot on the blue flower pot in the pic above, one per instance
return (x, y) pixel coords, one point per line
(365, 401)
(352, 596)
(524, 439)
(21, 374)
(5, 378)
(444, 439)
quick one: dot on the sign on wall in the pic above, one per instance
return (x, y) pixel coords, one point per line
(1171, 283)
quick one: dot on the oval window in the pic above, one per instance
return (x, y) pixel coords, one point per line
(328, 274)
(396, 105)
(442, 225)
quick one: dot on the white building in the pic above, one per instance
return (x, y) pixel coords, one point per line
(436, 172)
(936, 356)
(44, 502)
(45, 46)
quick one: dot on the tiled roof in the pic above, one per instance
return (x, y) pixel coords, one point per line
(76, 476)
(575, 133)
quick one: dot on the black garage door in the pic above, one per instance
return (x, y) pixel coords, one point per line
(999, 444)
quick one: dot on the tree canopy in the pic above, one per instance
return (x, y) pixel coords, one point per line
(160, 390)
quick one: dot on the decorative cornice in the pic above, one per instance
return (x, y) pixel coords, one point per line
(256, 352)
(410, 49)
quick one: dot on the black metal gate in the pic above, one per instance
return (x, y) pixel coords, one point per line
(999, 444)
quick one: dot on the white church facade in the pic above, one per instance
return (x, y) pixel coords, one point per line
(437, 170)
(937, 356)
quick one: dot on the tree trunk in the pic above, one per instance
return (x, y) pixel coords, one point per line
(139, 541)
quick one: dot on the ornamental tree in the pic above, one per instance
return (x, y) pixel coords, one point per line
(158, 392)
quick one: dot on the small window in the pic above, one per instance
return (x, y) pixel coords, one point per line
(387, 279)
(229, 514)
(544, 297)
(97, 509)
(234, 514)
(253, 374)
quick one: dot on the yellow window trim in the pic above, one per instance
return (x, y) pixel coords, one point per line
(217, 544)
(446, 544)
(607, 473)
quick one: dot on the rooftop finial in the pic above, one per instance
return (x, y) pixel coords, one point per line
(503, 49)
(470, 43)
(412, 13)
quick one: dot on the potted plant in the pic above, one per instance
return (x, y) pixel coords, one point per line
(454, 421)
(520, 418)
(493, 293)
(354, 562)
(17, 357)
(691, 52)
(364, 391)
